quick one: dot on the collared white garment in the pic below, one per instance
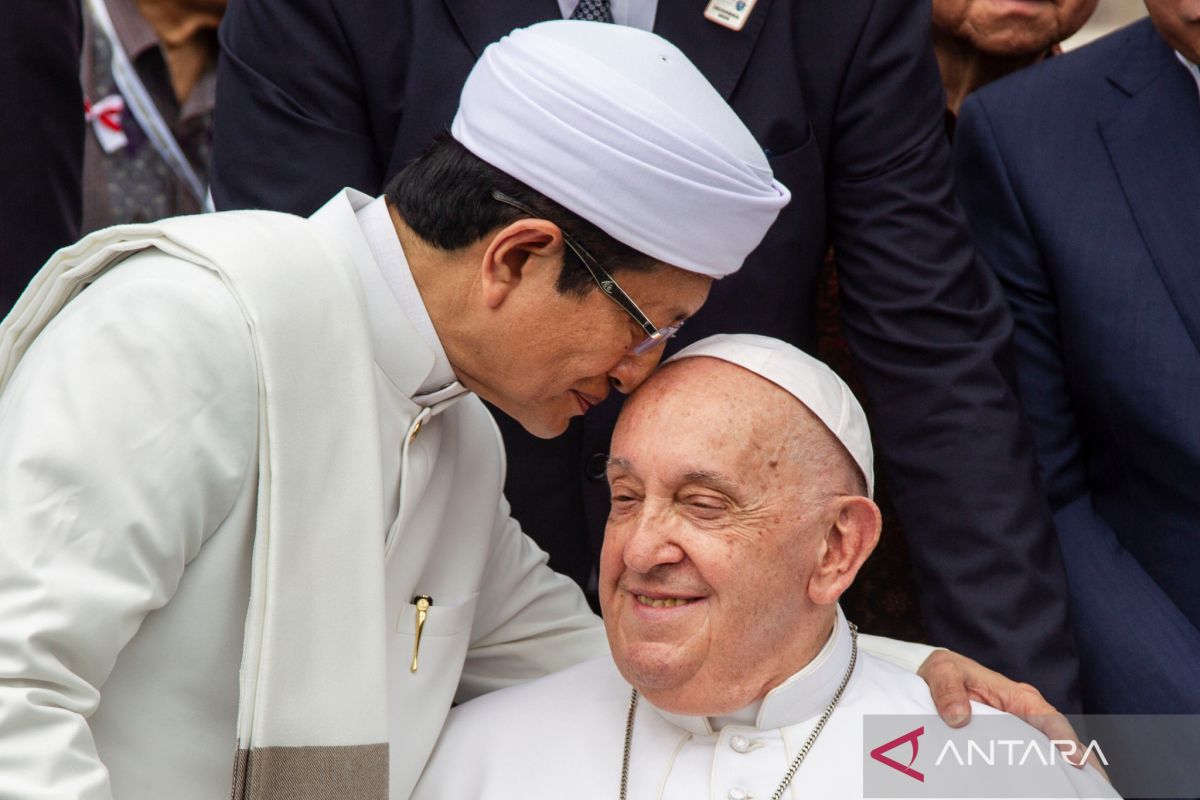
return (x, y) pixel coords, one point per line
(563, 736)
(128, 469)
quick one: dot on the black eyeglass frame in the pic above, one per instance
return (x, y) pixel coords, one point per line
(654, 335)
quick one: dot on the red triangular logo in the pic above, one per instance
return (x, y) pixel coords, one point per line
(910, 737)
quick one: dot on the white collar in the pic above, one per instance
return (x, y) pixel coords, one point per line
(802, 696)
(377, 228)
(401, 353)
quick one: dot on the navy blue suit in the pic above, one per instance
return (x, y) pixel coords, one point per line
(1081, 180)
(41, 148)
(846, 99)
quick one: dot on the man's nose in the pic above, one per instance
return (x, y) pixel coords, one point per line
(632, 370)
(649, 545)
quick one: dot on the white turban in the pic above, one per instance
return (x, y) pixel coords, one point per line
(803, 377)
(616, 125)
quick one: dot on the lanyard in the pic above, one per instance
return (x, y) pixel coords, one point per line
(143, 109)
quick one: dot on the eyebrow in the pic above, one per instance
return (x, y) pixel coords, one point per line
(716, 480)
(618, 463)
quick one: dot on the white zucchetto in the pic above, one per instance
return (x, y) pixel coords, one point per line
(618, 126)
(805, 378)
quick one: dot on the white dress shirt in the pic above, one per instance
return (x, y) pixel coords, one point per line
(634, 13)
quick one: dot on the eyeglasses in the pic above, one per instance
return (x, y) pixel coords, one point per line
(608, 285)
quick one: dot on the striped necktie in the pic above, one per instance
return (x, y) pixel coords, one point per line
(593, 11)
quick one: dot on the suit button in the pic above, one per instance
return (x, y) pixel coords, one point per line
(597, 466)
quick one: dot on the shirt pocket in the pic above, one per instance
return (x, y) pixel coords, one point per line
(440, 647)
(420, 700)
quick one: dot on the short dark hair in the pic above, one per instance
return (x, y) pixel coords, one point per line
(445, 196)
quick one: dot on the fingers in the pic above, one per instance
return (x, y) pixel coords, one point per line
(1058, 728)
(955, 680)
(948, 684)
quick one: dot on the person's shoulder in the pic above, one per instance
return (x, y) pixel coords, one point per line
(876, 679)
(161, 293)
(1066, 83)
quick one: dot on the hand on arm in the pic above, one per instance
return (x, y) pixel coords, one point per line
(955, 680)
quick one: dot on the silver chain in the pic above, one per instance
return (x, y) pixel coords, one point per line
(796, 762)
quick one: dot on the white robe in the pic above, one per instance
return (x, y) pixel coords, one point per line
(128, 471)
(563, 736)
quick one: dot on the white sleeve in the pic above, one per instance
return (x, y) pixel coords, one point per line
(906, 655)
(125, 435)
(530, 621)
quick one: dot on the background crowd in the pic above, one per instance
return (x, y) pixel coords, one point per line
(993, 241)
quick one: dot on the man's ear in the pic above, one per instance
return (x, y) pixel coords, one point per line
(513, 251)
(850, 539)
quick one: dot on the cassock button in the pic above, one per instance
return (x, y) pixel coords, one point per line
(738, 793)
(740, 744)
(597, 466)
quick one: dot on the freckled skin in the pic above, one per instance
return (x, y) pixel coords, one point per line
(723, 487)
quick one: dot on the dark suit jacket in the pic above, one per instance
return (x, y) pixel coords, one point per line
(1081, 178)
(846, 99)
(41, 148)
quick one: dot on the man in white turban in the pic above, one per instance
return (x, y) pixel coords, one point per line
(741, 479)
(250, 500)
(248, 491)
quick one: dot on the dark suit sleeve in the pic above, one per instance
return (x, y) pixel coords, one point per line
(41, 151)
(931, 337)
(291, 127)
(1138, 643)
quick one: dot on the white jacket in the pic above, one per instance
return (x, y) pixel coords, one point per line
(128, 469)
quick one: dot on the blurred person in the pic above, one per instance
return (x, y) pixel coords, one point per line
(1081, 180)
(847, 102)
(41, 150)
(741, 478)
(978, 41)
(149, 74)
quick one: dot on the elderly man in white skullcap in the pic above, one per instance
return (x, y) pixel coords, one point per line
(741, 477)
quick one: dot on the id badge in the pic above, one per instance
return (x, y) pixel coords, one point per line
(730, 14)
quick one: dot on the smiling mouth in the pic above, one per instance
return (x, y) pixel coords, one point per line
(585, 401)
(664, 602)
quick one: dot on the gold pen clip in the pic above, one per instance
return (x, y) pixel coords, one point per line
(423, 604)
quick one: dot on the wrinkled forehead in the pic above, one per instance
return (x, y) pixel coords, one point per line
(702, 386)
(708, 410)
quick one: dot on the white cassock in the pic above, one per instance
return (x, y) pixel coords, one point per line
(128, 467)
(563, 736)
